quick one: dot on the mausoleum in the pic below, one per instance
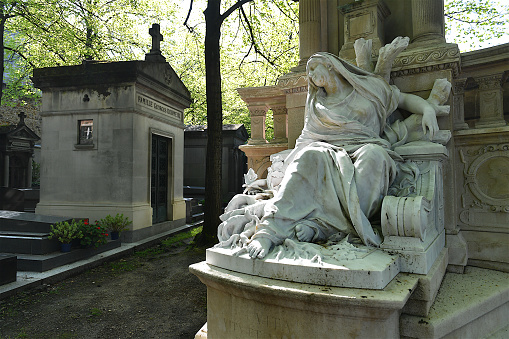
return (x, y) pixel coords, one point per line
(113, 141)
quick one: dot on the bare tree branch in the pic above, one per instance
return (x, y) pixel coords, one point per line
(21, 55)
(187, 18)
(230, 10)
(253, 40)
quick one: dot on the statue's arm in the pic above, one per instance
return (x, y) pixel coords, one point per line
(417, 105)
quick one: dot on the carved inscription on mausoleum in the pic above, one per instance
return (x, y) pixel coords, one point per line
(156, 106)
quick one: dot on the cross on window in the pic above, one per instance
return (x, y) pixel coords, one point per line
(88, 132)
(157, 37)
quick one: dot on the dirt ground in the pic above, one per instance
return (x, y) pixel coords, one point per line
(150, 294)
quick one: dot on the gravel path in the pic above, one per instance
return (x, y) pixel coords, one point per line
(150, 294)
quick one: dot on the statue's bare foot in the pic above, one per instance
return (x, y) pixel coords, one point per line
(304, 233)
(259, 247)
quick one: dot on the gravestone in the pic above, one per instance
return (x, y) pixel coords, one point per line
(113, 139)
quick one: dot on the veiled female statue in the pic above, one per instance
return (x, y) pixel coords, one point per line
(340, 169)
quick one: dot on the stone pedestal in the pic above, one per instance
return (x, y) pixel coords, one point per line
(363, 19)
(113, 142)
(245, 306)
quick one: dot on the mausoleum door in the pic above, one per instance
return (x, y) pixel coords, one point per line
(159, 184)
(17, 172)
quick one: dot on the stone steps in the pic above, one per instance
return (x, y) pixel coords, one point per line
(28, 243)
(45, 262)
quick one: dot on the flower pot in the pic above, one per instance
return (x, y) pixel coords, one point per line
(114, 235)
(65, 247)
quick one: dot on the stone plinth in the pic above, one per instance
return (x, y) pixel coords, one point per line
(373, 270)
(245, 306)
(113, 142)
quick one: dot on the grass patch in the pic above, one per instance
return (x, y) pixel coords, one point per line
(95, 312)
(124, 265)
(178, 238)
(168, 243)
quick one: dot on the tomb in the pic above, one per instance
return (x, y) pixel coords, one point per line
(234, 161)
(445, 245)
(113, 139)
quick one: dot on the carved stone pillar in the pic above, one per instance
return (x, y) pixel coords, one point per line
(363, 19)
(428, 21)
(458, 92)
(490, 102)
(280, 115)
(310, 29)
(257, 124)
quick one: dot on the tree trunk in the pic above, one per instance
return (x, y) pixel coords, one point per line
(213, 175)
(2, 52)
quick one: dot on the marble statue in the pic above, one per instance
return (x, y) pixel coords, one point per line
(343, 164)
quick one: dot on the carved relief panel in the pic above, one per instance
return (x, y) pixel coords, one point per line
(485, 197)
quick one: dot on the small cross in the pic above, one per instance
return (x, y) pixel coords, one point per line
(88, 132)
(157, 37)
(22, 117)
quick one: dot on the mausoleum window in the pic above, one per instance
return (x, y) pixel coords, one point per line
(86, 129)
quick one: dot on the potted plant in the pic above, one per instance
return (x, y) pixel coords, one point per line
(115, 224)
(65, 232)
(93, 234)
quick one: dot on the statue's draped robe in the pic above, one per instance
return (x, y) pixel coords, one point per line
(341, 168)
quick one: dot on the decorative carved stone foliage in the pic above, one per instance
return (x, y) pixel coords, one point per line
(485, 197)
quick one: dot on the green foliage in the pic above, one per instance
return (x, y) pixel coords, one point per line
(66, 232)
(252, 55)
(47, 33)
(93, 235)
(475, 23)
(95, 312)
(118, 223)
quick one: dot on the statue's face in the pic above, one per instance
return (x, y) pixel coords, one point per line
(320, 74)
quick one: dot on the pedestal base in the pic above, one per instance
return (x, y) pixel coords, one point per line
(246, 306)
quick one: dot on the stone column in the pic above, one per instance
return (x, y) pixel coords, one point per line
(491, 102)
(257, 124)
(29, 172)
(310, 29)
(458, 92)
(280, 114)
(6, 170)
(428, 21)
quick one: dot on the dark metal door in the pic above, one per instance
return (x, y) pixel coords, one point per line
(159, 178)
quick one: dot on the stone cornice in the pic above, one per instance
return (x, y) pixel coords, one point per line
(427, 59)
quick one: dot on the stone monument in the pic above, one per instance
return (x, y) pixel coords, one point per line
(113, 141)
(311, 249)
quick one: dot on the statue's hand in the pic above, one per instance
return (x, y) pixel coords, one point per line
(429, 122)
